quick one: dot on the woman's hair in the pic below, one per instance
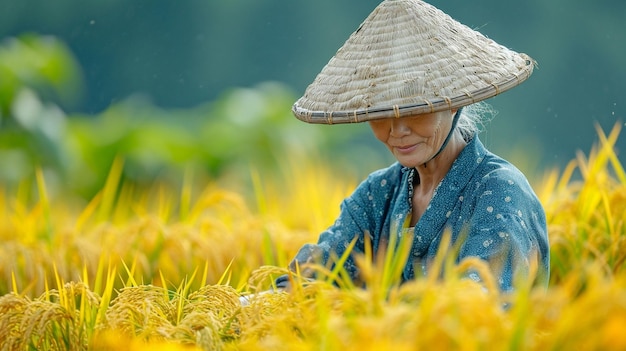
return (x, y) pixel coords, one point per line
(473, 118)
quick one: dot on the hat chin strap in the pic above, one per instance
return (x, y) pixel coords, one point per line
(457, 115)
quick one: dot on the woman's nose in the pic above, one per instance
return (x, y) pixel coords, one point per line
(399, 127)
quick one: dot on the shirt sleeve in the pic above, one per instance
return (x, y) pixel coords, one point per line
(508, 228)
(361, 214)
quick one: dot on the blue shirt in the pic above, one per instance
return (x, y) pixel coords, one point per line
(483, 199)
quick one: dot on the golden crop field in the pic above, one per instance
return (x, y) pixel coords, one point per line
(163, 268)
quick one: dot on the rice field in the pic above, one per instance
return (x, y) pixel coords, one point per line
(164, 267)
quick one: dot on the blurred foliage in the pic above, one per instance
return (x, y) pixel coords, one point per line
(42, 63)
(182, 54)
(31, 131)
(247, 127)
(244, 129)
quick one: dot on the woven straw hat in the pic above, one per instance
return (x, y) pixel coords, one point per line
(408, 58)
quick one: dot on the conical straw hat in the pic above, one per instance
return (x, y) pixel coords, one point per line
(409, 58)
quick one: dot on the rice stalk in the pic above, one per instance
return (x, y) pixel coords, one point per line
(109, 192)
(586, 219)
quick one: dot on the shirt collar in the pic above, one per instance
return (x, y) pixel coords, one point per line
(462, 168)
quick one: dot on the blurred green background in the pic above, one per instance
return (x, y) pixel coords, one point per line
(207, 85)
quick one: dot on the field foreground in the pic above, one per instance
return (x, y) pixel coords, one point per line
(163, 269)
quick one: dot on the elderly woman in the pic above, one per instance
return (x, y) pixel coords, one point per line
(408, 71)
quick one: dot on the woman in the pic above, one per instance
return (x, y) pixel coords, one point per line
(408, 71)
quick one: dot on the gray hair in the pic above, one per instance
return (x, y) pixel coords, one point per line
(473, 118)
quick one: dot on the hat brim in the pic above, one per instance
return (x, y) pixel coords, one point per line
(397, 111)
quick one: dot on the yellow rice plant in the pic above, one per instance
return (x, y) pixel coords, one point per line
(157, 232)
(587, 215)
(165, 269)
(447, 314)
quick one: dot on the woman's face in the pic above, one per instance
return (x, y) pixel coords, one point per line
(413, 140)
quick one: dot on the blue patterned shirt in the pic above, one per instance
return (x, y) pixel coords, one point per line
(483, 198)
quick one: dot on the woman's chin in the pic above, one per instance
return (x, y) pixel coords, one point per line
(410, 162)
